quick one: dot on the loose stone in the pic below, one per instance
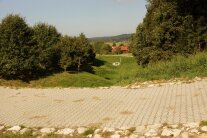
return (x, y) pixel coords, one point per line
(81, 130)
(14, 128)
(2, 127)
(151, 133)
(47, 130)
(204, 128)
(65, 131)
(115, 136)
(24, 130)
(185, 135)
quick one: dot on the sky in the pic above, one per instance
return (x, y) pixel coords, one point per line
(94, 18)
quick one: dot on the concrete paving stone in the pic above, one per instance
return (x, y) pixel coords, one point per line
(113, 107)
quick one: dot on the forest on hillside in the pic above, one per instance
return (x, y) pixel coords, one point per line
(118, 38)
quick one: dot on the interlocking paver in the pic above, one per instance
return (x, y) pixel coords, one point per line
(114, 107)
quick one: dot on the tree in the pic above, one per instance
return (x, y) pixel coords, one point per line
(76, 52)
(106, 49)
(170, 28)
(47, 55)
(16, 58)
(114, 44)
(97, 46)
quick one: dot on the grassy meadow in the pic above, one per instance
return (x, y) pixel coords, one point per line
(105, 74)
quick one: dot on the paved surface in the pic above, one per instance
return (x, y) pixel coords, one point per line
(116, 107)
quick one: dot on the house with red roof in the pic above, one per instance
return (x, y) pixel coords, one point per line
(122, 49)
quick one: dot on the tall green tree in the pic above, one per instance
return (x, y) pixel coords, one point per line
(16, 58)
(47, 55)
(170, 28)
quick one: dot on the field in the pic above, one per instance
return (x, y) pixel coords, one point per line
(105, 74)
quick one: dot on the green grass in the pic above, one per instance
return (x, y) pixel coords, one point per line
(179, 67)
(65, 79)
(105, 74)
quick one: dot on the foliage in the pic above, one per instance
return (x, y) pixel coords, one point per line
(76, 52)
(178, 67)
(28, 53)
(105, 74)
(106, 49)
(16, 58)
(170, 28)
(97, 46)
(119, 38)
(203, 123)
(47, 55)
(102, 48)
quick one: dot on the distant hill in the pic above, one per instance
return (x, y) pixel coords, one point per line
(118, 38)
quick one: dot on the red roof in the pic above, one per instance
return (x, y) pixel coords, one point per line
(122, 48)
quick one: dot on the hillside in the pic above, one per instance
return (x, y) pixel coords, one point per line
(118, 38)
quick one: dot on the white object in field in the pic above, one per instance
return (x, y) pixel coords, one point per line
(116, 64)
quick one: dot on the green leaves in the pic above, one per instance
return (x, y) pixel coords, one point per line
(46, 37)
(30, 52)
(170, 28)
(15, 41)
(76, 52)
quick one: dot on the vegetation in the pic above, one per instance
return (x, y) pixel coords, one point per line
(105, 74)
(119, 38)
(46, 54)
(32, 52)
(16, 59)
(179, 67)
(75, 53)
(102, 48)
(170, 28)
(203, 123)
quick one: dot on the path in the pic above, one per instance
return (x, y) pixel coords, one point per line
(115, 107)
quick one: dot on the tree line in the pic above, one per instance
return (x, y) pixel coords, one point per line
(30, 52)
(170, 28)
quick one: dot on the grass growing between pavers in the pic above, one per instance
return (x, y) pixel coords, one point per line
(105, 74)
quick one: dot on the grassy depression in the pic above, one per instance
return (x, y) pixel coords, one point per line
(105, 74)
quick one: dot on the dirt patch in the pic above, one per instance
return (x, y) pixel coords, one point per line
(96, 98)
(143, 98)
(38, 117)
(106, 119)
(196, 94)
(58, 101)
(78, 101)
(126, 113)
